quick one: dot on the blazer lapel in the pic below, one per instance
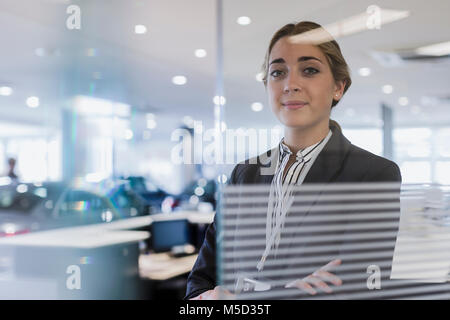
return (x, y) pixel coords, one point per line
(329, 162)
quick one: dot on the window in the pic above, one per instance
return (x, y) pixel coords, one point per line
(368, 139)
(423, 154)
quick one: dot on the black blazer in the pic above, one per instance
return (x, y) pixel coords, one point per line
(339, 161)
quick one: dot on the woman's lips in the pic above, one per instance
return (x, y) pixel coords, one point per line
(293, 105)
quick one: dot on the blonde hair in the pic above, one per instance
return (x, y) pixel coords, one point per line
(330, 49)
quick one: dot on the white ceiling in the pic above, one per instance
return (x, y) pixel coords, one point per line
(137, 69)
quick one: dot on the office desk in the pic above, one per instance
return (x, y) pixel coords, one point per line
(40, 265)
(162, 266)
(84, 237)
(193, 217)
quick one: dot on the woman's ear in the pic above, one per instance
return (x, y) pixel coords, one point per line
(339, 89)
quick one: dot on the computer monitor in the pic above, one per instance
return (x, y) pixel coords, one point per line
(165, 235)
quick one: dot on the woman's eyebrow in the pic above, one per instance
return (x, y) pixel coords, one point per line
(300, 59)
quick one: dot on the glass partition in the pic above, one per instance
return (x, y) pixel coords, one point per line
(275, 88)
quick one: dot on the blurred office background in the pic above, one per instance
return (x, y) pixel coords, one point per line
(94, 95)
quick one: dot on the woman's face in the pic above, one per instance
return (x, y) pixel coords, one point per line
(300, 85)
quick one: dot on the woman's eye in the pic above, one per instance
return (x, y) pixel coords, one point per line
(310, 71)
(276, 73)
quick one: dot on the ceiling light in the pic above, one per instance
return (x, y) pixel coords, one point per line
(5, 91)
(257, 106)
(387, 89)
(200, 53)
(140, 29)
(438, 49)
(403, 101)
(179, 80)
(32, 102)
(244, 21)
(364, 72)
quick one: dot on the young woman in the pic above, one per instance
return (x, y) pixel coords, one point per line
(304, 80)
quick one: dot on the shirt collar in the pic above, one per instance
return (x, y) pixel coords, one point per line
(305, 154)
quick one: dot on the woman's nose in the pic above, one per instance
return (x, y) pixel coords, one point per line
(292, 84)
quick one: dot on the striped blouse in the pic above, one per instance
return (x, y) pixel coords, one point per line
(280, 198)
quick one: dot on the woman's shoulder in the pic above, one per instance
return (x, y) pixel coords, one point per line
(375, 167)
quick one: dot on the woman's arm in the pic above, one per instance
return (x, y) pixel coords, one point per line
(203, 275)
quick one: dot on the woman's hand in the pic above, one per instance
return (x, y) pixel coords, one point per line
(318, 279)
(218, 293)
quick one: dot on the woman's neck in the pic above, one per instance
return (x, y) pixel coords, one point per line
(300, 138)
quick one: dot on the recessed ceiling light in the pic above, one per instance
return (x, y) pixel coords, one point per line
(140, 29)
(179, 80)
(244, 21)
(364, 72)
(257, 106)
(32, 102)
(259, 77)
(200, 53)
(219, 100)
(6, 91)
(403, 101)
(387, 89)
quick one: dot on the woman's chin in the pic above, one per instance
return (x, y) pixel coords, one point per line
(290, 123)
